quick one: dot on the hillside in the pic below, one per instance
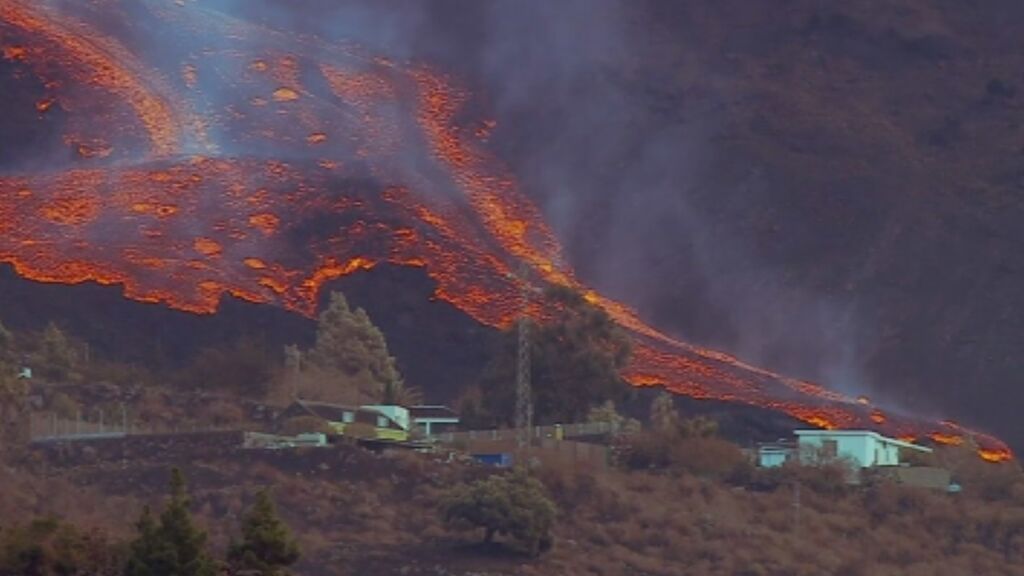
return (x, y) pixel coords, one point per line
(832, 190)
(358, 513)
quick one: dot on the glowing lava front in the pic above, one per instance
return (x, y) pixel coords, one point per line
(266, 167)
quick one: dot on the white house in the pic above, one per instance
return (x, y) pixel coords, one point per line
(399, 414)
(774, 454)
(434, 419)
(865, 448)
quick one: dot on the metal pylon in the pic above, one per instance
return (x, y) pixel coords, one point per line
(524, 395)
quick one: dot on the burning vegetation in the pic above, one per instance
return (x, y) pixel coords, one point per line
(187, 183)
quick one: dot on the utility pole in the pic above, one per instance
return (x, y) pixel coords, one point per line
(524, 395)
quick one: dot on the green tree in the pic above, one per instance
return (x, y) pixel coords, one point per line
(49, 547)
(576, 357)
(150, 553)
(267, 547)
(350, 346)
(607, 414)
(6, 341)
(175, 547)
(513, 505)
(12, 404)
(58, 354)
(664, 416)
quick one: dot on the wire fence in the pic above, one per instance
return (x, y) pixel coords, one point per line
(556, 432)
(50, 427)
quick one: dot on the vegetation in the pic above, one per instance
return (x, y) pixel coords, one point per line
(245, 367)
(513, 505)
(576, 358)
(172, 546)
(350, 360)
(49, 547)
(607, 414)
(267, 547)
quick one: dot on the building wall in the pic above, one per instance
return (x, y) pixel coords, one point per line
(771, 459)
(866, 450)
(859, 449)
(889, 454)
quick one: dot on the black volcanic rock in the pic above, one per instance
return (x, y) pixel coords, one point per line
(438, 348)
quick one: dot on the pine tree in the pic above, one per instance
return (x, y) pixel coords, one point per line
(175, 547)
(150, 554)
(267, 546)
(576, 353)
(349, 344)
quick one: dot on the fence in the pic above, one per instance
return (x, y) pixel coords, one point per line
(49, 427)
(537, 433)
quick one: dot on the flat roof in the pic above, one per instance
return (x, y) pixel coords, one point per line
(870, 433)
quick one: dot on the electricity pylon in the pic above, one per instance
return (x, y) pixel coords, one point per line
(524, 394)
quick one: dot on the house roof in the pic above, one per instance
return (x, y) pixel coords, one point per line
(776, 447)
(432, 413)
(868, 433)
(331, 412)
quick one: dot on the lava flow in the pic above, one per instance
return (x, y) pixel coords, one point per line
(226, 158)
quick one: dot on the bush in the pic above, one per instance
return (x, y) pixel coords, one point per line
(513, 505)
(47, 546)
(304, 425)
(705, 456)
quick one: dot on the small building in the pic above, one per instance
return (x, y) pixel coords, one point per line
(864, 448)
(398, 414)
(385, 422)
(773, 454)
(432, 420)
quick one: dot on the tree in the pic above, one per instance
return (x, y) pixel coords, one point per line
(267, 546)
(150, 553)
(12, 404)
(576, 356)
(245, 367)
(58, 354)
(353, 350)
(174, 547)
(6, 341)
(49, 547)
(664, 416)
(513, 505)
(607, 414)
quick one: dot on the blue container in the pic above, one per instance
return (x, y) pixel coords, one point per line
(502, 460)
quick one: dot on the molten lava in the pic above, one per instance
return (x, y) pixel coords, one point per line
(268, 166)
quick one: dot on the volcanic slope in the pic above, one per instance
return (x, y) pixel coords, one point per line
(185, 178)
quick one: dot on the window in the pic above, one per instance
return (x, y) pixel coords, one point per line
(382, 422)
(830, 448)
(348, 417)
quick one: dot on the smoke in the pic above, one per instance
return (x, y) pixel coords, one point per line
(600, 123)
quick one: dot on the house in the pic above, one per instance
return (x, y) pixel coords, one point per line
(864, 448)
(432, 420)
(385, 422)
(772, 454)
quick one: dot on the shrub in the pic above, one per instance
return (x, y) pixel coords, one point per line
(305, 424)
(513, 505)
(707, 456)
(48, 546)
